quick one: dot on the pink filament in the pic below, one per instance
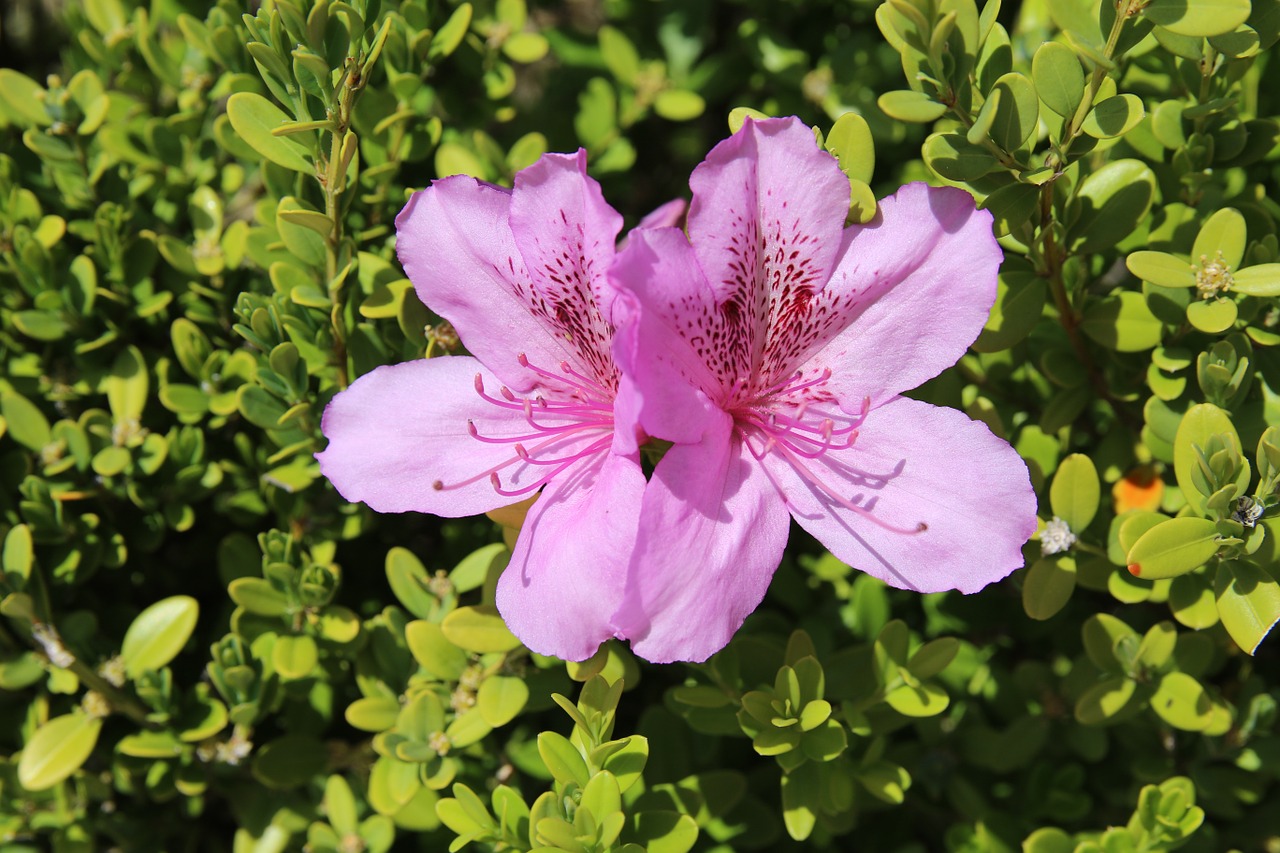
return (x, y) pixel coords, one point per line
(584, 407)
(796, 440)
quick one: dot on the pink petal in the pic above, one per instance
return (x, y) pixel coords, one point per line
(916, 463)
(712, 531)
(402, 428)
(456, 243)
(668, 215)
(566, 233)
(768, 210)
(664, 358)
(568, 572)
(912, 290)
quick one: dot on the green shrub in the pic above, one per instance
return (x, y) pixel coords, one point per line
(204, 647)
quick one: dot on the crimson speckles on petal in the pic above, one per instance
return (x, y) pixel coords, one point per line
(521, 276)
(770, 346)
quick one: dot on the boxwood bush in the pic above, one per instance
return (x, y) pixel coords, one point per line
(204, 647)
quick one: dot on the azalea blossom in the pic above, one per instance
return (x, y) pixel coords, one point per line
(771, 346)
(521, 275)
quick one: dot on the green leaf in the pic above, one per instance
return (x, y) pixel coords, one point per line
(627, 762)
(933, 657)
(501, 698)
(619, 54)
(1020, 299)
(1012, 206)
(679, 104)
(1110, 204)
(1248, 602)
(909, 106)
(1059, 78)
(1173, 547)
(1076, 492)
(956, 158)
(433, 651)
(1048, 839)
(1192, 602)
(57, 750)
(1200, 423)
(1212, 316)
(1182, 702)
(1197, 17)
(24, 97)
(302, 241)
(340, 805)
(1161, 269)
(254, 117)
(526, 47)
(478, 629)
(1105, 700)
(127, 386)
(1017, 112)
(373, 713)
(450, 36)
(455, 159)
(17, 556)
(41, 325)
(258, 596)
(158, 634)
(1048, 586)
(1223, 232)
(801, 800)
(408, 579)
(1104, 634)
(851, 142)
(1114, 116)
(665, 832)
(1260, 280)
(1122, 322)
(924, 700)
(27, 425)
(563, 759)
(294, 656)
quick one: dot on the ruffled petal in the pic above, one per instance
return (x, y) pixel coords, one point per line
(566, 232)
(568, 572)
(911, 291)
(712, 531)
(401, 429)
(914, 463)
(768, 210)
(666, 385)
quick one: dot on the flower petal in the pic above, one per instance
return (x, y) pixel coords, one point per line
(712, 532)
(568, 572)
(666, 383)
(768, 210)
(912, 463)
(456, 243)
(401, 429)
(566, 233)
(912, 290)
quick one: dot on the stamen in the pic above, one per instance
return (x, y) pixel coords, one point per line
(560, 431)
(585, 385)
(786, 390)
(526, 456)
(794, 457)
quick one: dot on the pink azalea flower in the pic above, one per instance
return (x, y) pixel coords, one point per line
(771, 346)
(521, 275)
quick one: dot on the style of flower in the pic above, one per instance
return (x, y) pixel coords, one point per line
(521, 276)
(771, 345)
